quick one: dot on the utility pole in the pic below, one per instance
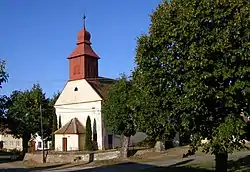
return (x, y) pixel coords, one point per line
(41, 115)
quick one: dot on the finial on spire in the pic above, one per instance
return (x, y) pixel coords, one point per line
(84, 21)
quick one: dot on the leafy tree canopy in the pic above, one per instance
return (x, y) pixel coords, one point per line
(51, 118)
(118, 112)
(3, 73)
(195, 59)
(23, 113)
(3, 98)
(54, 117)
(116, 109)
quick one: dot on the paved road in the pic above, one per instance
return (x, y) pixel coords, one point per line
(131, 167)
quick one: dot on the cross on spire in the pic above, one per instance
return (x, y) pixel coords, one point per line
(84, 21)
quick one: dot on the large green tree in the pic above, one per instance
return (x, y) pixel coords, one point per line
(54, 116)
(24, 117)
(118, 112)
(198, 51)
(153, 98)
(3, 73)
(3, 98)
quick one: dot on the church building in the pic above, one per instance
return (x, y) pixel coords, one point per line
(81, 97)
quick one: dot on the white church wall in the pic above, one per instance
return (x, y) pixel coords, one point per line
(77, 91)
(83, 103)
(82, 111)
(58, 142)
(72, 142)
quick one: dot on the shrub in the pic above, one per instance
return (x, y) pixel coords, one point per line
(88, 135)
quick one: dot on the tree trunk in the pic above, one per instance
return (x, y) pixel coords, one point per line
(221, 162)
(125, 145)
(53, 142)
(25, 142)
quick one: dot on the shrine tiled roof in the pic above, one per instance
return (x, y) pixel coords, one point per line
(74, 126)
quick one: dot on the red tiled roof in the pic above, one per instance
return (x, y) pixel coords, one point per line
(83, 49)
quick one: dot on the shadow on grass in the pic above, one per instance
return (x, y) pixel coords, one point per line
(133, 167)
(132, 150)
(240, 164)
(10, 157)
(124, 167)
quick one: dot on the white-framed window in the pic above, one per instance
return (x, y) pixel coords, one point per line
(18, 143)
(39, 145)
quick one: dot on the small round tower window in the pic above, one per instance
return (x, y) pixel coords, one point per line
(76, 89)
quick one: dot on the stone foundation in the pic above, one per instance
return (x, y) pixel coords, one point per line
(68, 157)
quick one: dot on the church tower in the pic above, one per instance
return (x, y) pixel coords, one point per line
(83, 61)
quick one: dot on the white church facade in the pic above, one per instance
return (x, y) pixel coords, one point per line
(81, 97)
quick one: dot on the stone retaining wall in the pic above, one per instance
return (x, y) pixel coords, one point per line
(69, 157)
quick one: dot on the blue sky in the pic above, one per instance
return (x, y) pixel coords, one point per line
(36, 37)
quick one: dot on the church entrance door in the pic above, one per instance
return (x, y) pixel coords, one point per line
(64, 142)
